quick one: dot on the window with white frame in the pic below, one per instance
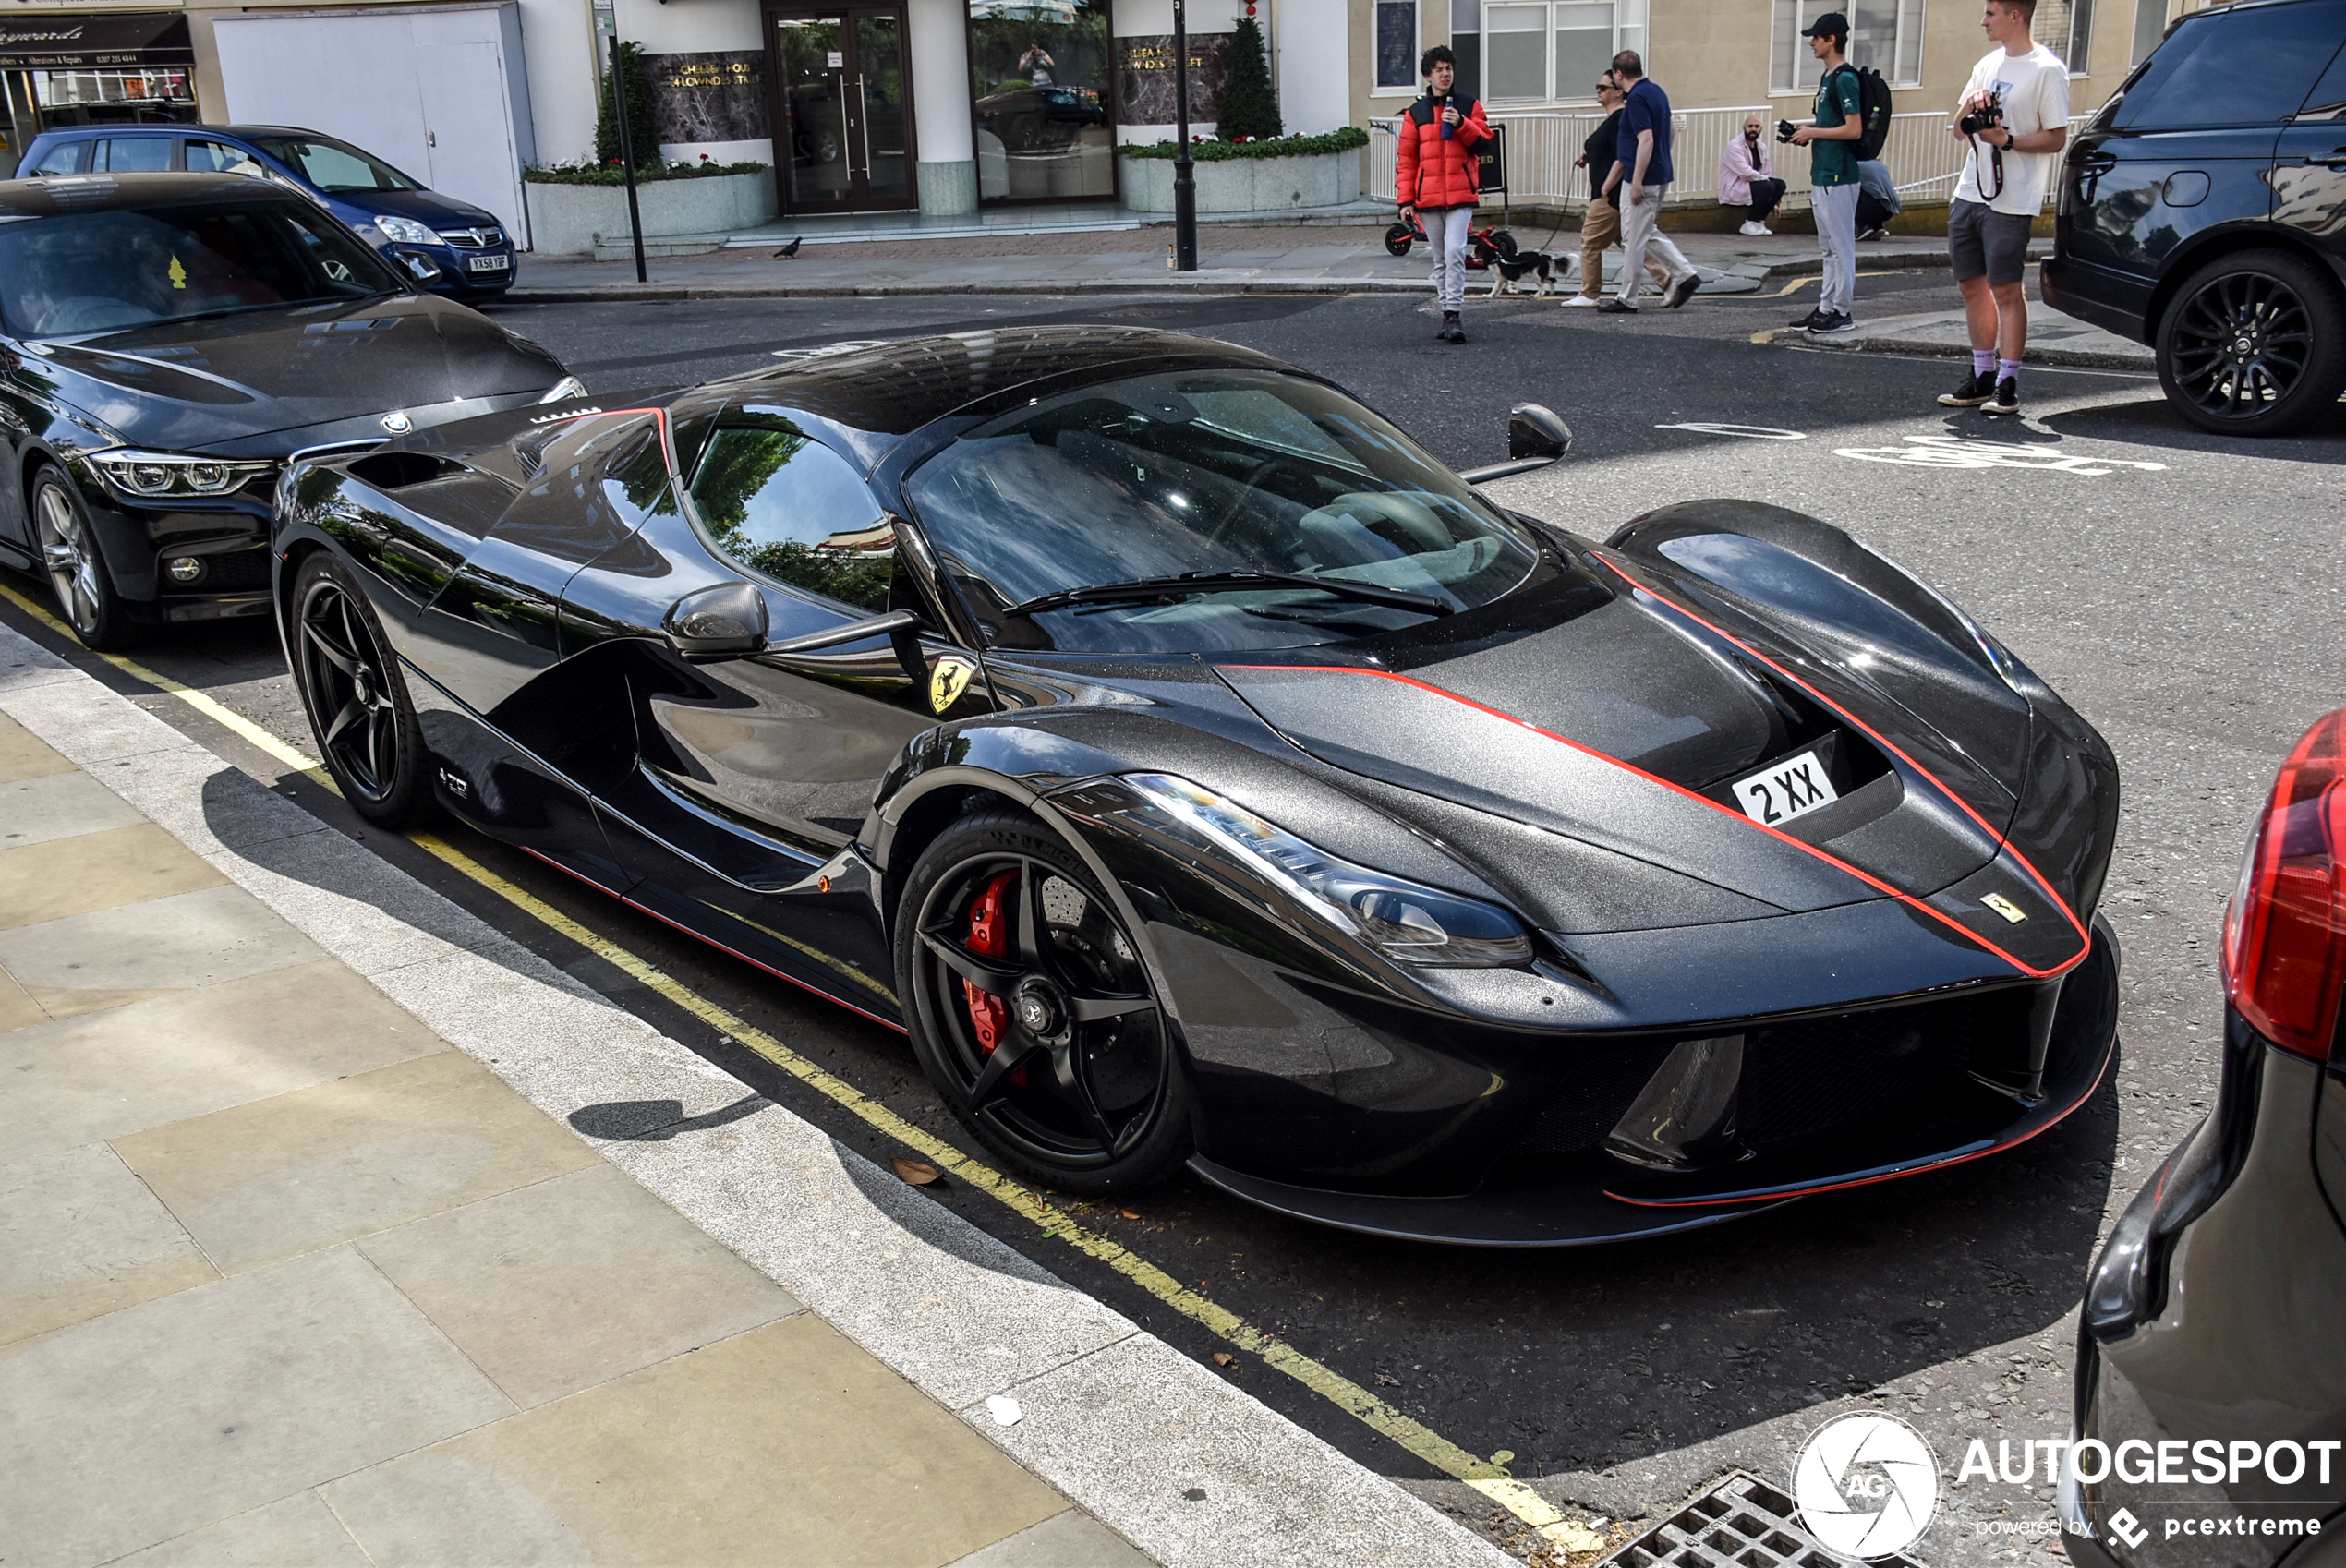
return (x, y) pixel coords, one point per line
(1555, 49)
(1883, 34)
(1396, 44)
(2066, 26)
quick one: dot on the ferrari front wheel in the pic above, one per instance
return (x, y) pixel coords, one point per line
(1032, 1012)
(359, 705)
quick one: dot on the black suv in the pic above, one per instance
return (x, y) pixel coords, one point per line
(2203, 211)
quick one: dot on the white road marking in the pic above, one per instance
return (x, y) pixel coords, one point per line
(1755, 432)
(1955, 452)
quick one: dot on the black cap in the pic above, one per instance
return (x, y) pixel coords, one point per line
(1831, 22)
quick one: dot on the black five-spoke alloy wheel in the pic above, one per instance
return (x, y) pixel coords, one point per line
(2254, 344)
(76, 568)
(358, 703)
(1032, 1011)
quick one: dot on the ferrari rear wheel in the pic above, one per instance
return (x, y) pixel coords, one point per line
(359, 707)
(1032, 1012)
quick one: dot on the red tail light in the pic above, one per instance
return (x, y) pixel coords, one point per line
(2285, 930)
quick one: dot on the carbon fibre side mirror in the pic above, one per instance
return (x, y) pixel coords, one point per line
(724, 620)
(1535, 430)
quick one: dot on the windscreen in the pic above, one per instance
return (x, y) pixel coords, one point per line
(333, 165)
(84, 273)
(1205, 471)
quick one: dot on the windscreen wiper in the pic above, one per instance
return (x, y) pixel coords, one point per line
(1225, 582)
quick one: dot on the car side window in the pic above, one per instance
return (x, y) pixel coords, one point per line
(68, 158)
(2328, 96)
(138, 154)
(781, 504)
(2245, 67)
(218, 157)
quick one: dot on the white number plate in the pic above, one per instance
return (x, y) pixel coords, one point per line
(1792, 787)
(487, 263)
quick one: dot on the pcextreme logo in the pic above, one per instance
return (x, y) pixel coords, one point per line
(1866, 1485)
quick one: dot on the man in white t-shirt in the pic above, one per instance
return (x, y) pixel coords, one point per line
(2024, 88)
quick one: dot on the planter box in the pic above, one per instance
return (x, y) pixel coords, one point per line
(1247, 185)
(566, 220)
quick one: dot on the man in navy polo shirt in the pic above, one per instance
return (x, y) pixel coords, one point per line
(1645, 170)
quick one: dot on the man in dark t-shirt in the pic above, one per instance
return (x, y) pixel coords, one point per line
(1642, 176)
(1600, 222)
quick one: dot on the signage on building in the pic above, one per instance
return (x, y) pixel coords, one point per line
(1144, 64)
(95, 42)
(709, 97)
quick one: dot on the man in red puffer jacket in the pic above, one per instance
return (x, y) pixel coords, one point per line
(1438, 176)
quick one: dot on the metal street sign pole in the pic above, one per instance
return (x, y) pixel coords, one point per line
(1184, 177)
(606, 23)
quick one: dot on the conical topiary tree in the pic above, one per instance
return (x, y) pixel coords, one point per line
(639, 112)
(1249, 104)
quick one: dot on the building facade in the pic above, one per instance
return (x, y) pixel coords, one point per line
(946, 106)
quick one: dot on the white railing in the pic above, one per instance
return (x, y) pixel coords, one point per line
(1542, 144)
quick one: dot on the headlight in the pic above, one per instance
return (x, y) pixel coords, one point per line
(1406, 922)
(564, 390)
(407, 231)
(160, 475)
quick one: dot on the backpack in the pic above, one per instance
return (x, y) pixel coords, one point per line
(1873, 111)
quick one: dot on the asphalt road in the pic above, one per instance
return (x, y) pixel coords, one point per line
(2184, 592)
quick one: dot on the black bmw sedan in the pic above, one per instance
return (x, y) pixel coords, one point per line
(1200, 774)
(165, 342)
(2211, 1380)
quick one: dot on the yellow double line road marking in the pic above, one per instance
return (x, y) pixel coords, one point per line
(1484, 1477)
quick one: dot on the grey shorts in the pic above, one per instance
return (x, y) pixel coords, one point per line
(1980, 239)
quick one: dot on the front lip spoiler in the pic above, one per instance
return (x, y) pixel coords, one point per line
(2085, 1040)
(1580, 1204)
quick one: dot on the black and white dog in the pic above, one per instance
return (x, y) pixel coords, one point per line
(1508, 270)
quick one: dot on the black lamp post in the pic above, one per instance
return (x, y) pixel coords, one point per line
(1184, 177)
(627, 154)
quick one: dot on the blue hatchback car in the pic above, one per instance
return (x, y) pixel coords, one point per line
(446, 245)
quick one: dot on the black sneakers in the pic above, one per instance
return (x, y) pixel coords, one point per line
(1815, 318)
(1975, 391)
(1835, 322)
(1451, 330)
(1682, 291)
(1617, 306)
(2007, 398)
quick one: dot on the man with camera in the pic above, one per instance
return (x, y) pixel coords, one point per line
(2014, 114)
(1833, 180)
(1437, 175)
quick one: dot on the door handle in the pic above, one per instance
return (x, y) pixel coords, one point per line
(864, 124)
(2096, 163)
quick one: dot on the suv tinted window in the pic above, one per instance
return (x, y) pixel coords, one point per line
(68, 158)
(2237, 68)
(2330, 93)
(137, 154)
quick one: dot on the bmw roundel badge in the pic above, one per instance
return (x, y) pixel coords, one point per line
(397, 422)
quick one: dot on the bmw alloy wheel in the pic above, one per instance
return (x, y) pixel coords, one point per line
(76, 570)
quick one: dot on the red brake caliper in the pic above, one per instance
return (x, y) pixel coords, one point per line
(989, 939)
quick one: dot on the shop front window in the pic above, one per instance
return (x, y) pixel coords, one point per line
(1039, 75)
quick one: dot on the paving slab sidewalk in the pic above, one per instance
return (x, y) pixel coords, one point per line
(305, 1256)
(2053, 339)
(1235, 259)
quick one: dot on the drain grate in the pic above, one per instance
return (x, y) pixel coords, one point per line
(1738, 1521)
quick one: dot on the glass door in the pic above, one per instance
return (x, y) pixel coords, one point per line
(842, 108)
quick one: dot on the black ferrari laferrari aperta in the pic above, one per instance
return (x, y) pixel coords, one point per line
(1198, 772)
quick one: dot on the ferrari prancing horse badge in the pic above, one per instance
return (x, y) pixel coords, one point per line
(948, 681)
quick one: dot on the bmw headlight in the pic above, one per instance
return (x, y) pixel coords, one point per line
(407, 231)
(161, 476)
(564, 390)
(1406, 922)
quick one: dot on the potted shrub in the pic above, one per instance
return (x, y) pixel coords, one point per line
(1256, 175)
